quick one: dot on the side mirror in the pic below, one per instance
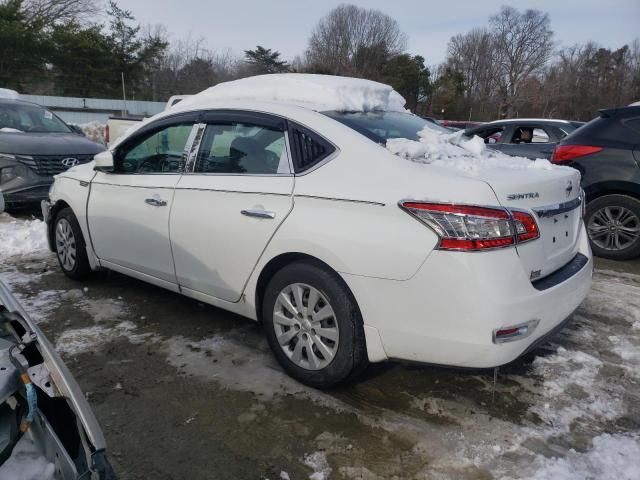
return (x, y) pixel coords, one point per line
(103, 161)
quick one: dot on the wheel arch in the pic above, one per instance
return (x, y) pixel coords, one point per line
(280, 261)
(55, 209)
(602, 189)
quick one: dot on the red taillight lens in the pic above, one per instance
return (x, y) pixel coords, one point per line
(526, 226)
(471, 228)
(566, 153)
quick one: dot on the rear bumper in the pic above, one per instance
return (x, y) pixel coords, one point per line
(447, 313)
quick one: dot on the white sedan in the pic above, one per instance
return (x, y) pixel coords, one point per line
(274, 197)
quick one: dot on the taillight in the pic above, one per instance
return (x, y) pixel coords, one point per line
(106, 133)
(471, 228)
(566, 153)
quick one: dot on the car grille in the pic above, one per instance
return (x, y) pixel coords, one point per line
(47, 165)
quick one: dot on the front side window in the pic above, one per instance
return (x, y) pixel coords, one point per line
(242, 148)
(158, 152)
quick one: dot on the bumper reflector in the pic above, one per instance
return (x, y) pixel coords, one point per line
(514, 332)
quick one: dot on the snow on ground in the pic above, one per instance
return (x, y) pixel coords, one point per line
(318, 92)
(459, 152)
(21, 237)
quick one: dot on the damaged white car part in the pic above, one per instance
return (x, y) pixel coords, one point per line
(352, 229)
(46, 425)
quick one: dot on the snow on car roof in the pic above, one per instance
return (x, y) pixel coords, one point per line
(316, 92)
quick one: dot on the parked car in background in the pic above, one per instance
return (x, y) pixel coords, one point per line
(47, 428)
(117, 127)
(459, 124)
(606, 151)
(524, 137)
(35, 145)
(284, 208)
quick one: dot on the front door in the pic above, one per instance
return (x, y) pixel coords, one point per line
(128, 209)
(230, 202)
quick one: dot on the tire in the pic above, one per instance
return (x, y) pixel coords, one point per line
(325, 359)
(613, 225)
(70, 246)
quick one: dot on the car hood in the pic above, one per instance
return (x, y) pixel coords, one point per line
(27, 143)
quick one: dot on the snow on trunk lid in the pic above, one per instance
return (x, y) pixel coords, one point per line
(518, 183)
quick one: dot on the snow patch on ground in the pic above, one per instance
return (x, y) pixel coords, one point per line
(82, 340)
(318, 462)
(459, 152)
(27, 463)
(613, 457)
(317, 92)
(21, 237)
(237, 365)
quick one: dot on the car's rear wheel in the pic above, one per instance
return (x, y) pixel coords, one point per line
(313, 325)
(613, 225)
(70, 246)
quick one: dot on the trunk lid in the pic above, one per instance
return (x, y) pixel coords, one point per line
(553, 196)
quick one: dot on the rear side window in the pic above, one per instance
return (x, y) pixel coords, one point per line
(242, 148)
(308, 148)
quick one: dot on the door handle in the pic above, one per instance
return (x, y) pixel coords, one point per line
(259, 213)
(155, 202)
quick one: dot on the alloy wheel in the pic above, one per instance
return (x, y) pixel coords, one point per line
(65, 244)
(306, 326)
(614, 228)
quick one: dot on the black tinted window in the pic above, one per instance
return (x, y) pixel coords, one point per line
(308, 148)
(633, 124)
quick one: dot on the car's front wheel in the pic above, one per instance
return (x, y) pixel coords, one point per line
(70, 246)
(313, 325)
(613, 225)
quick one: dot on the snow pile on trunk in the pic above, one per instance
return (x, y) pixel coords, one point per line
(317, 92)
(460, 152)
(10, 94)
(21, 237)
(93, 131)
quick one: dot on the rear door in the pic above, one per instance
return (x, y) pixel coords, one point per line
(236, 192)
(128, 210)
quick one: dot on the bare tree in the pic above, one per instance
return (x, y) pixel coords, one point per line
(351, 40)
(524, 45)
(55, 11)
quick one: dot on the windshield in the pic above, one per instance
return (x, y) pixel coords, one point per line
(381, 126)
(29, 118)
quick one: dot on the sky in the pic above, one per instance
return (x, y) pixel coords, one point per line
(285, 25)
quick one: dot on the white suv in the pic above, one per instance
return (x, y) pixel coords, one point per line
(272, 197)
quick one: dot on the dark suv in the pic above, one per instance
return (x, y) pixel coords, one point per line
(607, 153)
(35, 145)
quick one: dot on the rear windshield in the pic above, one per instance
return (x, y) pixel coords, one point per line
(29, 118)
(381, 126)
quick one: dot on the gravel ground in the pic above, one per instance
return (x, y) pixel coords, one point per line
(185, 390)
